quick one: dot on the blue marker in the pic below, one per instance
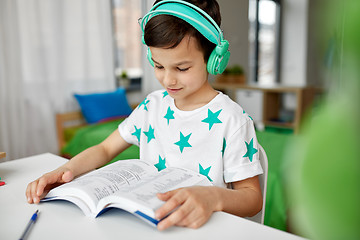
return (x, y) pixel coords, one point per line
(31, 222)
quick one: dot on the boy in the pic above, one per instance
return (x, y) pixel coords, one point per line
(189, 125)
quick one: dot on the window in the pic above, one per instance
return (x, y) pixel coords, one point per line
(264, 38)
(127, 43)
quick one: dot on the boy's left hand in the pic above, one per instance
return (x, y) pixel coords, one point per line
(192, 207)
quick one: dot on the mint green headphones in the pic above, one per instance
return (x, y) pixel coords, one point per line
(201, 21)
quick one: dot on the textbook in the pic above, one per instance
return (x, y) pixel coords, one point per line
(130, 185)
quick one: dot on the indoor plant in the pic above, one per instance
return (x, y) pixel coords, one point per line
(232, 74)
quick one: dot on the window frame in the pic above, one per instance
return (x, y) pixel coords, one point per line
(256, 53)
(135, 83)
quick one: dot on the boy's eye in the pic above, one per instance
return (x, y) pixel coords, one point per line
(183, 69)
(159, 67)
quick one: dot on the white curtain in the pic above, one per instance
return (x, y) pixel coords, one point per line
(48, 51)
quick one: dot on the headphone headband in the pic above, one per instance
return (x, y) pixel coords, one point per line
(190, 13)
(202, 22)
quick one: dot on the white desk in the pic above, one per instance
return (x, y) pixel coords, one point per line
(62, 220)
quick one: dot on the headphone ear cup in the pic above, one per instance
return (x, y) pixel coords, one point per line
(149, 57)
(211, 64)
(223, 62)
(217, 63)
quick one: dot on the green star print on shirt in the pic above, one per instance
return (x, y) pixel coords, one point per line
(223, 147)
(169, 115)
(161, 164)
(145, 103)
(183, 142)
(150, 134)
(212, 118)
(137, 133)
(250, 150)
(165, 94)
(205, 172)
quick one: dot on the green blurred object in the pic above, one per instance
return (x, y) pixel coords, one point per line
(323, 182)
(279, 130)
(274, 144)
(324, 194)
(90, 135)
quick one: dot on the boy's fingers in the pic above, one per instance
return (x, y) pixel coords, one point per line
(51, 178)
(165, 196)
(39, 188)
(33, 190)
(45, 181)
(41, 185)
(173, 200)
(28, 193)
(175, 218)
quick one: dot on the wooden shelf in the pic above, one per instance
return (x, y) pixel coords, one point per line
(272, 101)
(265, 88)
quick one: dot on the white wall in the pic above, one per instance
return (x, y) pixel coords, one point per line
(235, 24)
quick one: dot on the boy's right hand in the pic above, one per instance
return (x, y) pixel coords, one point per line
(37, 189)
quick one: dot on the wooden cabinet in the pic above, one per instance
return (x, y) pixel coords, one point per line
(272, 102)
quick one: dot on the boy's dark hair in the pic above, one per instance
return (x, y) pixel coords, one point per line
(166, 31)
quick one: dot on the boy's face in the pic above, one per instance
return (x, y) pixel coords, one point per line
(182, 72)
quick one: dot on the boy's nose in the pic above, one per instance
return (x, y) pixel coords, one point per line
(169, 79)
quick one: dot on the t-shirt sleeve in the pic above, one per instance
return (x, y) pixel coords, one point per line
(241, 155)
(130, 128)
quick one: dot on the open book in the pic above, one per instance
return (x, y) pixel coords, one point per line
(130, 185)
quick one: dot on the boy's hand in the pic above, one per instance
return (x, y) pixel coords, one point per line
(194, 206)
(41, 186)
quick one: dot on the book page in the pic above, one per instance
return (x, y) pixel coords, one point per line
(105, 181)
(142, 197)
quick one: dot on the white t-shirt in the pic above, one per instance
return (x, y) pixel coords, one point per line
(217, 140)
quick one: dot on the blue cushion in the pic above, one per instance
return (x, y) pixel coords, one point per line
(98, 107)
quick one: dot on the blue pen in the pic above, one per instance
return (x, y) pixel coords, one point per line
(31, 222)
